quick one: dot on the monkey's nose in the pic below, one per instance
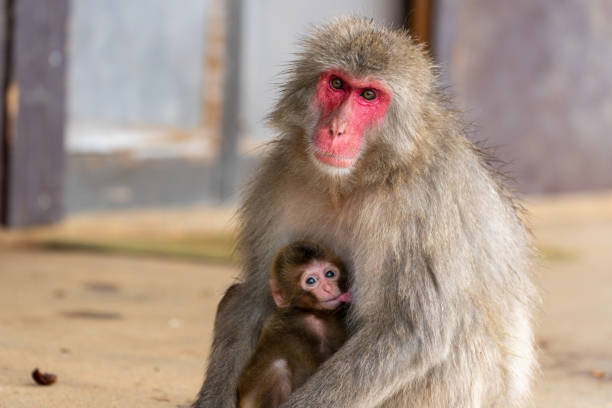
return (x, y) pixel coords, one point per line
(326, 287)
(337, 127)
(334, 132)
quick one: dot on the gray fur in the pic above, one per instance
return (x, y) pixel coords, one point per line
(442, 304)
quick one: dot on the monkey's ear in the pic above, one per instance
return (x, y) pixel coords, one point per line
(277, 294)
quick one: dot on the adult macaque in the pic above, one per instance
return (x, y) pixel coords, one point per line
(308, 285)
(371, 163)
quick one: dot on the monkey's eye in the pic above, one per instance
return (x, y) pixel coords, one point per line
(336, 83)
(330, 274)
(311, 281)
(368, 94)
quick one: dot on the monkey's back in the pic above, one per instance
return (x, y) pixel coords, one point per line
(292, 346)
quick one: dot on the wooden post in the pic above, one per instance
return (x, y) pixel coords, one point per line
(419, 18)
(33, 106)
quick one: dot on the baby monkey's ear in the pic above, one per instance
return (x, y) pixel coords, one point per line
(277, 294)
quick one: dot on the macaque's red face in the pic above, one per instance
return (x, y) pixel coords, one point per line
(320, 279)
(347, 107)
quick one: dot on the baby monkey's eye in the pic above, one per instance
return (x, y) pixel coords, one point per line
(311, 281)
(330, 274)
(336, 83)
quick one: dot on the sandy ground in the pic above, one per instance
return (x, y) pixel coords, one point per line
(123, 331)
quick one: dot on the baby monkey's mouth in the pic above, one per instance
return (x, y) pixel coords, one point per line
(345, 297)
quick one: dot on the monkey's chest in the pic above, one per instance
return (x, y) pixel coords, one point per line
(312, 216)
(326, 336)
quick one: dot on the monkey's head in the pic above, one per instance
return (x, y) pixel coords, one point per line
(307, 275)
(355, 96)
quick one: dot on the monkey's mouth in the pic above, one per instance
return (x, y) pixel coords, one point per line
(331, 304)
(334, 160)
(336, 301)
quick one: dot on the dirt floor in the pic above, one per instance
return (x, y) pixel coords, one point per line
(123, 330)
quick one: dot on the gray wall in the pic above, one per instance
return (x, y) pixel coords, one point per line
(137, 62)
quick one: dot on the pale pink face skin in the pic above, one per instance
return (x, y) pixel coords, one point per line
(320, 278)
(347, 107)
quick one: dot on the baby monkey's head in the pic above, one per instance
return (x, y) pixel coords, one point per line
(309, 276)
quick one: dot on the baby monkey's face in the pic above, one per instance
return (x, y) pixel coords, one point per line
(321, 280)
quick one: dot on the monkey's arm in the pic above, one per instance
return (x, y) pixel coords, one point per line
(239, 319)
(397, 344)
(245, 307)
(364, 374)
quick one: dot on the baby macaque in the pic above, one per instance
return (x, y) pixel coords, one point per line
(308, 285)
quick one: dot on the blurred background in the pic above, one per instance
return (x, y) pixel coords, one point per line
(128, 127)
(122, 104)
